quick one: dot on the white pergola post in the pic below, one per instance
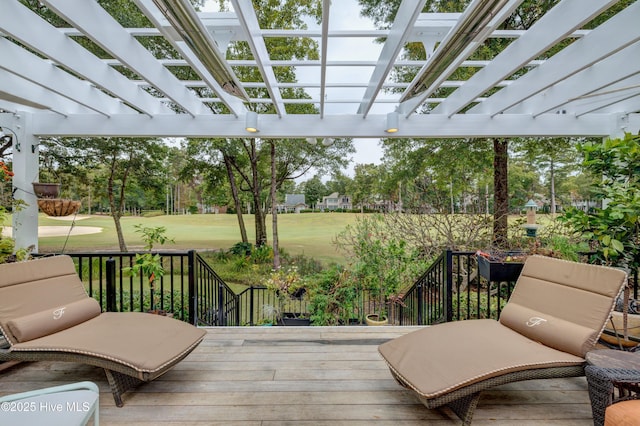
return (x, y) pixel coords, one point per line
(25, 169)
(632, 124)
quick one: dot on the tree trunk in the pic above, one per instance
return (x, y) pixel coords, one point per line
(116, 208)
(274, 208)
(236, 198)
(259, 214)
(451, 196)
(501, 190)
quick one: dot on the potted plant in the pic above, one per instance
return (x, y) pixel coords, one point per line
(149, 264)
(500, 266)
(46, 190)
(382, 264)
(287, 286)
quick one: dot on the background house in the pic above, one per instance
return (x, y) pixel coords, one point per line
(292, 203)
(335, 201)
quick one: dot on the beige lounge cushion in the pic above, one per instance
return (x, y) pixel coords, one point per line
(549, 330)
(568, 302)
(445, 357)
(38, 285)
(54, 319)
(144, 342)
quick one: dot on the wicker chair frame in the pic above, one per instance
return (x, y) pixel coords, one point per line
(608, 386)
(463, 401)
(120, 377)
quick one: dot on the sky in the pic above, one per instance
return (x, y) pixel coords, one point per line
(345, 14)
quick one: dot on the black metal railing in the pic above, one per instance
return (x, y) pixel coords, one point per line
(453, 289)
(190, 290)
(423, 303)
(216, 303)
(106, 280)
(259, 305)
(450, 289)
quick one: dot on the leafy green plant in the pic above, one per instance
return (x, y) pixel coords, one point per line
(241, 249)
(382, 262)
(8, 250)
(286, 283)
(613, 230)
(333, 296)
(262, 254)
(149, 264)
(240, 263)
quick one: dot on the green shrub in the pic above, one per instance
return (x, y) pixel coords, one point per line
(262, 254)
(468, 305)
(241, 249)
(333, 296)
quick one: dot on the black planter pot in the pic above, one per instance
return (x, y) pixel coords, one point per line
(493, 270)
(292, 319)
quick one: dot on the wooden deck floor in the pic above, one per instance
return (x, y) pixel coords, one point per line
(300, 376)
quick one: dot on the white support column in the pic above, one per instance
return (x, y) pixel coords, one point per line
(25, 169)
(633, 125)
(625, 123)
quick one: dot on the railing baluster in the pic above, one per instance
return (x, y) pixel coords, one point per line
(110, 267)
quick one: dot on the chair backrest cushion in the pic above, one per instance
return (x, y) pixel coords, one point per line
(37, 286)
(561, 304)
(50, 321)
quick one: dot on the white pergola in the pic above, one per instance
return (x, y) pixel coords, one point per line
(51, 86)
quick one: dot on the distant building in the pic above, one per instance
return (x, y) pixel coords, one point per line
(292, 203)
(335, 201)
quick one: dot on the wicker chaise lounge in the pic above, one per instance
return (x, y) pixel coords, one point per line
(46, 314)
(555, 315)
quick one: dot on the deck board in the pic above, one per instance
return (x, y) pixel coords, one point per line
(267, 376)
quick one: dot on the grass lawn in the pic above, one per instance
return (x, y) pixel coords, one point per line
(308, 233)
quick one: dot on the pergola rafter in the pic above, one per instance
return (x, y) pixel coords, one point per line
(562, 77)
(52, 76)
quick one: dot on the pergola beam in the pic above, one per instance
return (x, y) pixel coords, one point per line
(32, 68)
(249, 22)
(302, 126)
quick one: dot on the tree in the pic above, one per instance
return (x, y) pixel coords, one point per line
(115, 162)
(501, 191)
(274, 207)
(339, 183)
(364, 187)
(250, 158)
(212, 159)
(313, 190)
(524, 183)
(552, 155)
